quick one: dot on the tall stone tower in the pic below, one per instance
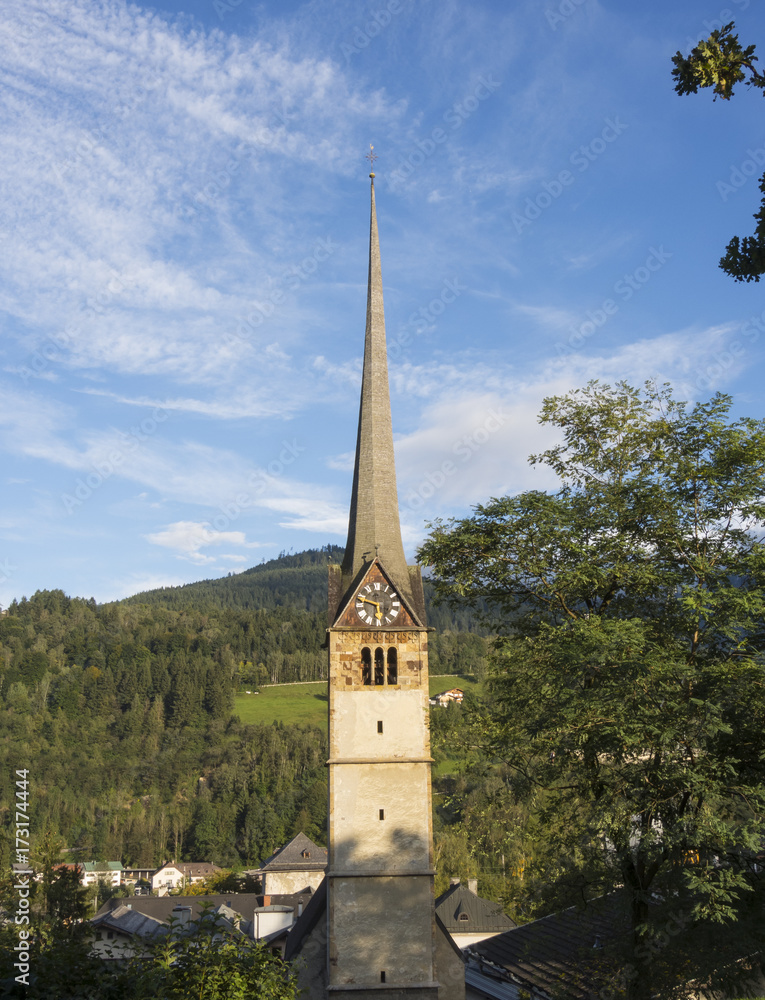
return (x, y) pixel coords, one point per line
(381, 931)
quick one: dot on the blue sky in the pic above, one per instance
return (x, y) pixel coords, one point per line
(183, 240)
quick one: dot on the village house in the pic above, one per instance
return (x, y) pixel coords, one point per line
(93, 872)
(468, 917)
(446, 697)
(297, 866)
(177, 874)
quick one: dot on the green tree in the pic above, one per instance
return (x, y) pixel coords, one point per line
(210, 962)
(628, 681)
(721, 62)
(206, 960)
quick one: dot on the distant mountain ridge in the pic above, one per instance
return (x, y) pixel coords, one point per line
(296, 581)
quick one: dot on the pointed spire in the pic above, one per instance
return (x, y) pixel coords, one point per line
(374, 529)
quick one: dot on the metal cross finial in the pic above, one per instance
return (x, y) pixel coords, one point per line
(371, 156)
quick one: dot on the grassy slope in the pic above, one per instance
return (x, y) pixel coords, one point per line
(306, 704)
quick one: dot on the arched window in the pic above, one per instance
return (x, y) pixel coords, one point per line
(366, 665)
(379, 666)
(392, 666)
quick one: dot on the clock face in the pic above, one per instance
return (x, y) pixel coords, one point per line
(377, 604)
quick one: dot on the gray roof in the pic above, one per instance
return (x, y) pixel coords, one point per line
(146, 916)
(560, 954)
(244, 903)
(190, 868)
(291, 857)
(129, 921)
(462, 912)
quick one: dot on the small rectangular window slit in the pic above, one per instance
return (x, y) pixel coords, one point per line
(379, 726)
(382, 814)
(382, 977)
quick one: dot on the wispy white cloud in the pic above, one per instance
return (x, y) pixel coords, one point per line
(548, 317)
(104, 208)
(243, 403)
(188, 538)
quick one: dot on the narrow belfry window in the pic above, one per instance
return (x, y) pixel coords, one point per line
(392, 666)
(379, 666)
(366, 665)
(382, 814)
(379, 726)
(382, 977)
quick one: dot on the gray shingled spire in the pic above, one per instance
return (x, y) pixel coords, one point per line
(374, 528)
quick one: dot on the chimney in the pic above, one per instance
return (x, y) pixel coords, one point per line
(267, 899)
(473, 886)
(454, 881)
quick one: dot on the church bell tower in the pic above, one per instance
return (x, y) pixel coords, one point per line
(382, 937)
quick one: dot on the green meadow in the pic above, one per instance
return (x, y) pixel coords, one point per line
(306, 704)
(299, 704)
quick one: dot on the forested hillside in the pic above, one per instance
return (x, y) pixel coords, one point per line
(297, 581)
(122, 713)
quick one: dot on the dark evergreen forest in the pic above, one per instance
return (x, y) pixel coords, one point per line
(122, 713)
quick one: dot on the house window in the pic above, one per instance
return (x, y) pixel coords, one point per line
(463, 916)
(392, 666)
(379, 726)
(110, 935)
(366, 665)
(379, 666)
(382, 814)
(305, 854)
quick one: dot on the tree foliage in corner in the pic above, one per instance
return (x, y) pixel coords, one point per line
(721, 62)
(628, 690)
(205, 960)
